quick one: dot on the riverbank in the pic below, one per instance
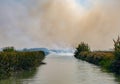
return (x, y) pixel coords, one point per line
(100, 58)
(109, 60)
(12, 62)
(106, 60)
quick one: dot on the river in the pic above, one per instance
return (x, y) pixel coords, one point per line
(63, 69)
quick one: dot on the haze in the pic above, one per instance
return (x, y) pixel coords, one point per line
(59, 23)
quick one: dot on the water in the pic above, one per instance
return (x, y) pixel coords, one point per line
(63, 69)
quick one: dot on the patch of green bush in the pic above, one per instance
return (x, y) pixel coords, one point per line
(81, 48)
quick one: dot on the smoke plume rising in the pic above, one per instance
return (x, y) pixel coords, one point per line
(59, 23)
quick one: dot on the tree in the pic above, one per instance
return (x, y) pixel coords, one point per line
(81, 48)
(8, 49)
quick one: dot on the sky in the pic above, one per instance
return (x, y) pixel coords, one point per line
(59, 23)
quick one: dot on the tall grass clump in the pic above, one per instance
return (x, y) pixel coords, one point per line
(14, 61)
(116, 64)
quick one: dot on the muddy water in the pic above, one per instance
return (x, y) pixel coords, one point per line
(63, 69)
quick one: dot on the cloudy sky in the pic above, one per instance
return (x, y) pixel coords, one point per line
(59, 23)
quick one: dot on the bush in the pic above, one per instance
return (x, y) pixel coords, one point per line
(81, 48)
(117, 48)
(116, 64)
(8, 49)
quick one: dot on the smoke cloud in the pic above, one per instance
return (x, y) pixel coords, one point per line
(59, 23)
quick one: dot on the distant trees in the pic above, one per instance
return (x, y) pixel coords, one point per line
(9, 49)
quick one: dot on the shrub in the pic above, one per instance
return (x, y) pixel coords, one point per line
(117, 48)
(116, 64)
(81, 48)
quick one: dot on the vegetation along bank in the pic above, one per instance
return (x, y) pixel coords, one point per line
(109, 60)
(12, 61)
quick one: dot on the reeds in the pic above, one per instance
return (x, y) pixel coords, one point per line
(103, 59)
(18, 61)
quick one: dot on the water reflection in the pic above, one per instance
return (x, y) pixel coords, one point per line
(117, 78)
(18, 78)
(92, 74)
